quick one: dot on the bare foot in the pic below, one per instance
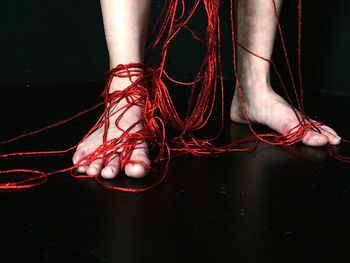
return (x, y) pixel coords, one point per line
(266, 107)
(92, 142)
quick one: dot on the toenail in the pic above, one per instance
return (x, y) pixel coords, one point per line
(337, 139)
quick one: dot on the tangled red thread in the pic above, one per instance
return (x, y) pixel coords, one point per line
(148, 90)
(150, 130)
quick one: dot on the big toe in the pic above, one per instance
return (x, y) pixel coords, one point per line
(139, 164)
(315, 139)
(136, 170)
(333, 137)
(334, 140)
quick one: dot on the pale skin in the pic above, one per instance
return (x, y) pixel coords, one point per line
(125, 25)
(256, 31)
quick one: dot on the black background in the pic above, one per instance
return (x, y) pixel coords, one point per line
(46, 42)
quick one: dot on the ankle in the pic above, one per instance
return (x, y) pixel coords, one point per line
(253, 72)
(123, 75)
(118, 83)
(252, 88)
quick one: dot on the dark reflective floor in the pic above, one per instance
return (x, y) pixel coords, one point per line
(273, 205)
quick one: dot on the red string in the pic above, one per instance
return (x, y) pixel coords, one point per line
(148, 90)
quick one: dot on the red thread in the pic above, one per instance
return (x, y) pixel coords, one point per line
(148, 90)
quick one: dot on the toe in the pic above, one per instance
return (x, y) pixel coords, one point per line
(332, 136)
(136, 170)
(95, 167)
(82, 169)
(78, 155)
(111, 169)
(139, 165)
(315, 139)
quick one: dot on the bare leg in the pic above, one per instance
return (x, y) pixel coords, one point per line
(125, 25)
(256, 31)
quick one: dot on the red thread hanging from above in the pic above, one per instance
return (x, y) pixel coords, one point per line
(149, 91)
